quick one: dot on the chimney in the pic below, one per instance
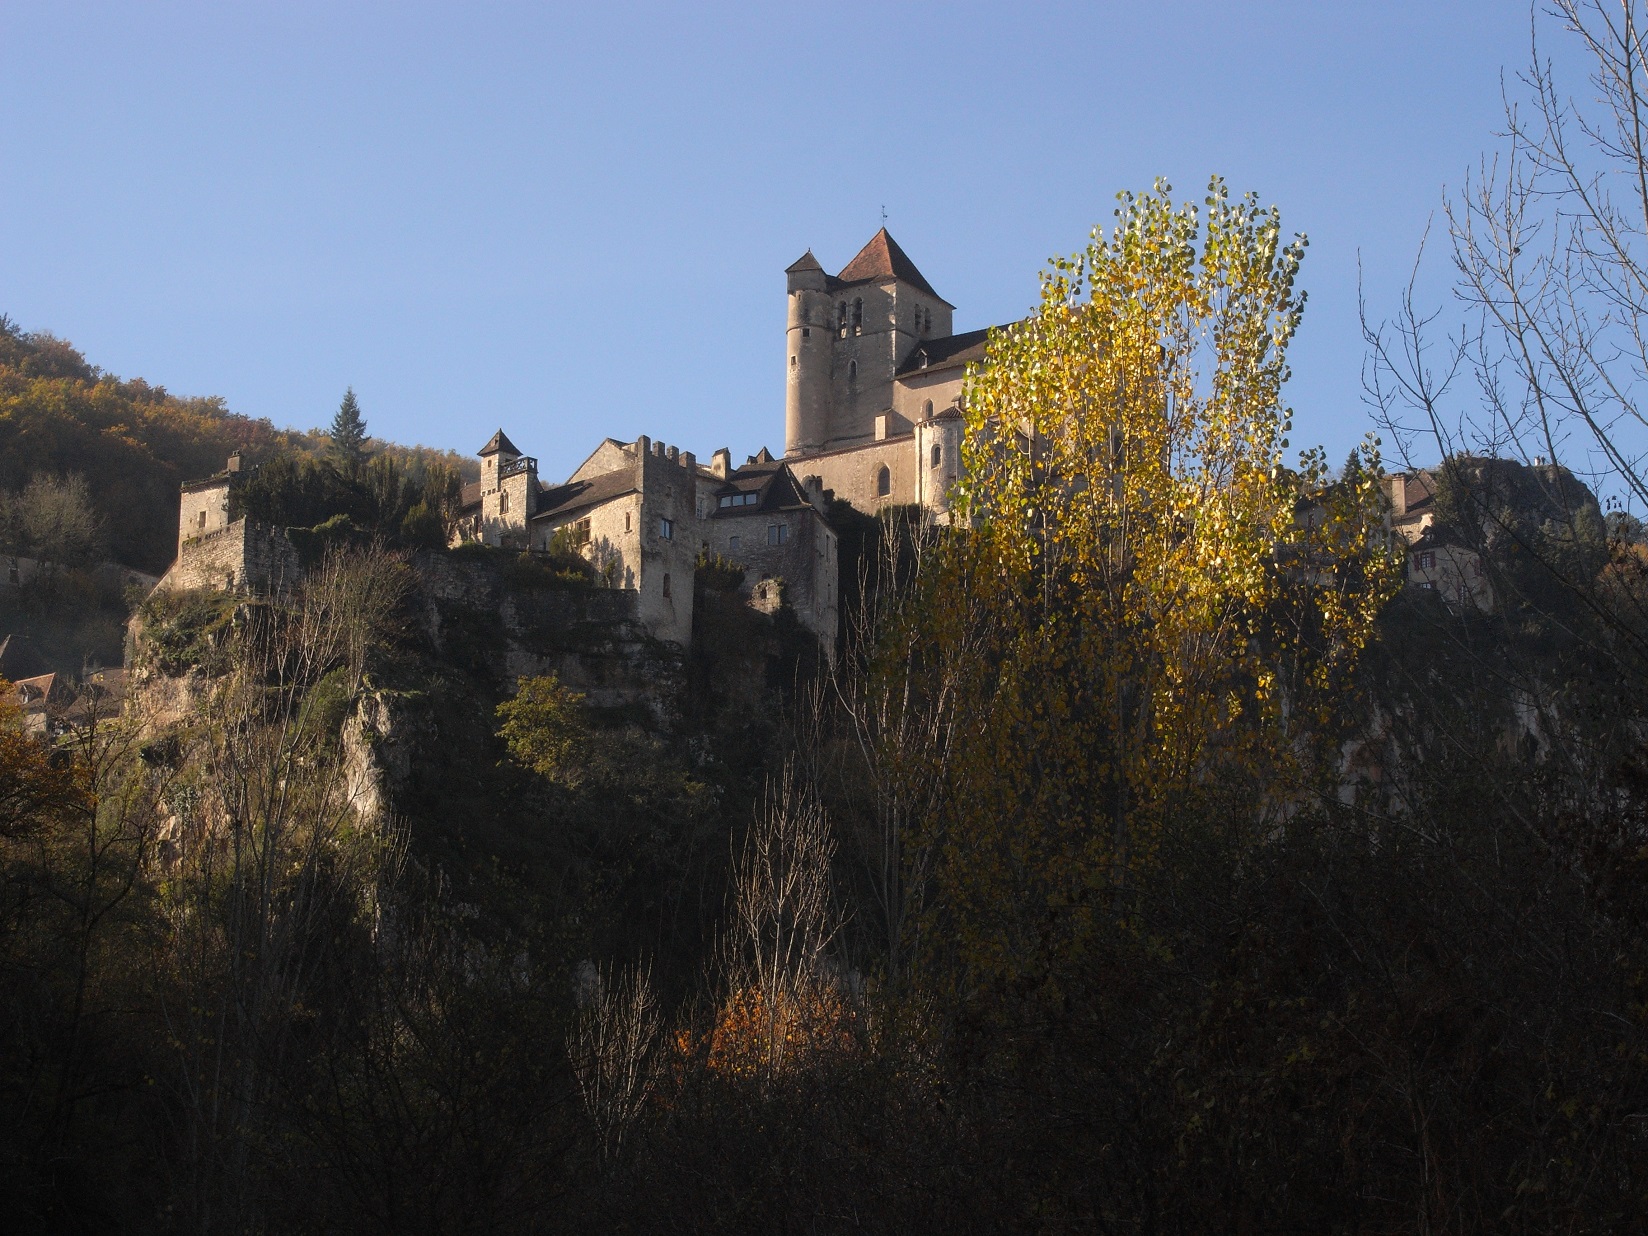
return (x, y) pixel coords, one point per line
(721, 463)
(881, 426)
(1396, 486)
(234, 463)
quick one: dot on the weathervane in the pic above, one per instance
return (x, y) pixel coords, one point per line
(884, 214)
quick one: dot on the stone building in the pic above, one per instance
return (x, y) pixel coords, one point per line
(872, 407)
(643, 514)
(1438, 559)
(236, 555)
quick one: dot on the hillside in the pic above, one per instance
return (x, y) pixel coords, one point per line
(133, 442)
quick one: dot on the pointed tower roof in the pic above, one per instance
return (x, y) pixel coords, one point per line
(805, 262)
(883, 259)
(497, 443)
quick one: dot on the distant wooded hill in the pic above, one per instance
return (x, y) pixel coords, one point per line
(133, 442)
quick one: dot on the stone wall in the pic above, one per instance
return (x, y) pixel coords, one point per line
(852, 473)
(245, 556)
(803, 561)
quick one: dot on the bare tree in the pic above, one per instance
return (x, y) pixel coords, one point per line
(270, 872)
(785, 999)
(614, 1034)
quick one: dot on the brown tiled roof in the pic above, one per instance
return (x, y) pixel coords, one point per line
(496, 443)
(558, 500)
(942, 353)
(805, 262)
(883, 259)
(471, 494)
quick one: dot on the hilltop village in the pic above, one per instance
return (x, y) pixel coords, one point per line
(872, 418)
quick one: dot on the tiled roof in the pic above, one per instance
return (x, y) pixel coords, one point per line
(771, 479)
(560, 500)
(941, 353)
(805, 262)
(496, 443)
(883, 259)
(471, 495)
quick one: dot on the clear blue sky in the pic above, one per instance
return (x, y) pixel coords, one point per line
(572, 221)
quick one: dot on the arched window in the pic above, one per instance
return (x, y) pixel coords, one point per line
(858, 316)
(852, 371)
(503, 503)
(927, 410)
(841, 318)
(938, 454)
(884, 482)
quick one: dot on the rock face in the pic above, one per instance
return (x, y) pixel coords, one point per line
(381, 738)
(494, 617)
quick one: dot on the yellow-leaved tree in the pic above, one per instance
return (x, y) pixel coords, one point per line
(1171, 610)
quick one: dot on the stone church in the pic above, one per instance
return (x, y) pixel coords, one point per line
(872, 417)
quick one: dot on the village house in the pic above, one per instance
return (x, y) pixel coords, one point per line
(644, 514)
(1437, 557)
(213, 551)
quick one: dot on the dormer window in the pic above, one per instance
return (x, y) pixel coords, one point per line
(745, 499)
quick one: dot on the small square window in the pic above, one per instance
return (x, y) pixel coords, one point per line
(806, 332)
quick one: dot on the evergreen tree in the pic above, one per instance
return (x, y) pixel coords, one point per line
(348, 430)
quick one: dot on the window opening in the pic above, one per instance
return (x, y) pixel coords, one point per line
(666, 584)
(852, 371)
(927, 409)
(580, 533)
(792, 361)
(884, 483)
(626, 521)
(777, 534)
(666, 529)
(841, 318)
(1427, 560)
(806, 332)
(732, 544)
(858, 316)
(938, 454)
(503, 503)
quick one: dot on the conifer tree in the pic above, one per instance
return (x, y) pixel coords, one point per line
(348, 430)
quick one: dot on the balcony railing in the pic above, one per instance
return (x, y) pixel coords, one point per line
(526, 463)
